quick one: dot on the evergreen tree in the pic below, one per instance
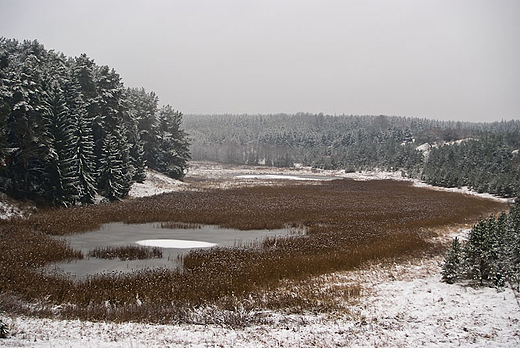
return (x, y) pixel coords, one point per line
(452, 267)
(509, 260)
(135, 146)
(5, 97)
(81, 159)
(476, 250)
(491, 255)
(137, 154)
(57, 182)
(113, 182)
(144, 107)
(69, 128)
(25, 133)
(173, 145)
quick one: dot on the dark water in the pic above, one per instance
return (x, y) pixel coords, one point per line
(120, 234)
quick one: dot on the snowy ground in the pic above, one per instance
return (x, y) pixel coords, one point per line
(10, 208)
(154, 184)
(403, 305)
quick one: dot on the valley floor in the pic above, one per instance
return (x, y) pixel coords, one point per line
(402, 305)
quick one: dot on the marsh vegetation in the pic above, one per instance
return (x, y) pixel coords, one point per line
(347, 223)
(127, 252)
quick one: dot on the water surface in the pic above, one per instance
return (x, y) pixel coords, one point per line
(174, 242)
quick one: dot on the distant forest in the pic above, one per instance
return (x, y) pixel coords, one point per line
(70, 130)
(481, 156)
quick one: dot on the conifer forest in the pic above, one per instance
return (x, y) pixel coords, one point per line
(70, 129)
(482, 156)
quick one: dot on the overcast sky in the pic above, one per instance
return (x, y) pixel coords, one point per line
(441, 59)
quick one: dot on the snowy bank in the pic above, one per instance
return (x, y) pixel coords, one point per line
(403, 306)
(154, 184)
(10, 208)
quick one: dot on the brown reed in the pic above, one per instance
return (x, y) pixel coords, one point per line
(348, 223)
(126, 252)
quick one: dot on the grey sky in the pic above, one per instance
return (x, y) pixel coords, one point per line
(441, 59)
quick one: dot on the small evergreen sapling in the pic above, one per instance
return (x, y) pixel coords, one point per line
(451, 270)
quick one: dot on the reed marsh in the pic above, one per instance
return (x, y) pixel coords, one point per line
(347, 224)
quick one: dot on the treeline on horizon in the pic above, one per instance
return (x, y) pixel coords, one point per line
(70, 129)
(481, 156)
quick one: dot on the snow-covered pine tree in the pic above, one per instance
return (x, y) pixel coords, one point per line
(136, 153)
(173, 144)
(132, 138)
(452, 267)
(498, 249)
(86, 97)
(25, 138)
(83, 75)
(478, 249)
(58, 181)
(111, 121)
(5, 96)
(509, 261)
(81, 158)
(78, 90)
(144, 108)
(112, 181)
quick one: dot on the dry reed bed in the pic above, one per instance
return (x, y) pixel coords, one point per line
(126, 252)
(348, 223)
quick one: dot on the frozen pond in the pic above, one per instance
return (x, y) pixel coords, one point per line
(285, 177)
(174, 242)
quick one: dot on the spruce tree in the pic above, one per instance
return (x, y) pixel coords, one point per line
(144, 108)
(25, 130)
(81, 159)
(58, 186)
(113, 182)
(478, 249)
(452, 267)
(173, 145)
(135, 146)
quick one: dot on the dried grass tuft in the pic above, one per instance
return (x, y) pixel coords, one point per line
(127, 252)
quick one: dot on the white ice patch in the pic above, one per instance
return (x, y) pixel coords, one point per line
(175, 243)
